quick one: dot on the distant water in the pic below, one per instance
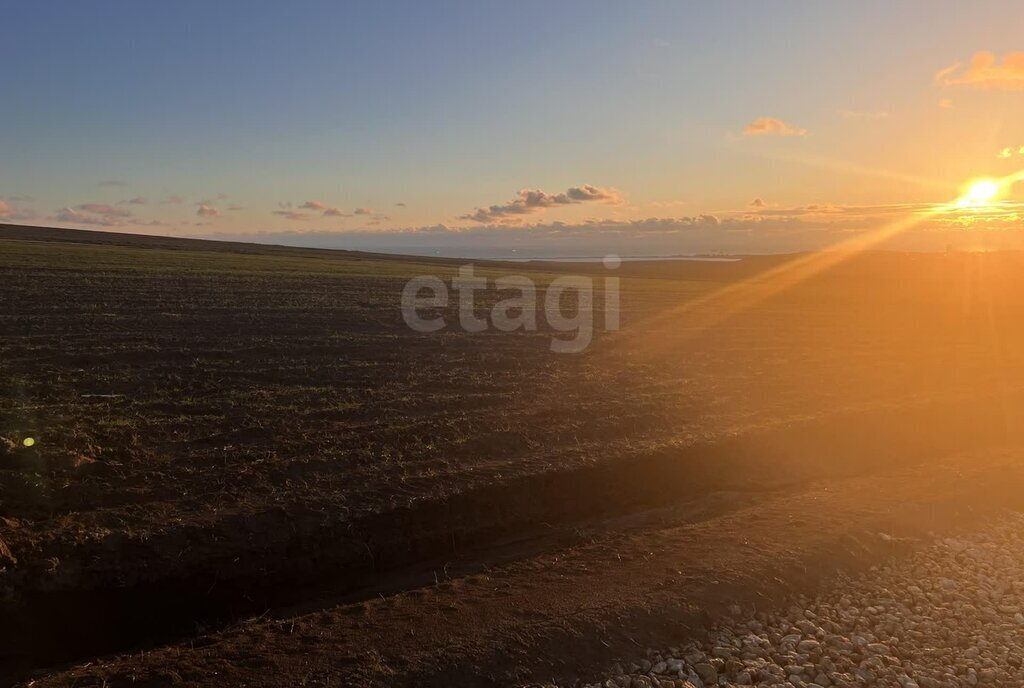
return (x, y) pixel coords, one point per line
(625, 259)
(462, 254)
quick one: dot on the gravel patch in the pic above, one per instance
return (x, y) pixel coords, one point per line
(948, 616)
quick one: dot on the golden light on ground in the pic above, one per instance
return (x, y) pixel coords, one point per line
(718, 305)
(711, 309)
(980, 193)
(29, 441)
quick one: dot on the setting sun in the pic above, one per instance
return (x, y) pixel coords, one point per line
(979, 194)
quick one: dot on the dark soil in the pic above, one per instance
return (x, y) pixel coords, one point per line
(226, 429)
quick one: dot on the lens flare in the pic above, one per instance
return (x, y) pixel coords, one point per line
(29, 441)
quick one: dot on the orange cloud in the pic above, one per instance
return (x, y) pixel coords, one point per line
(985, 72)
(9, 212)
(313, 205)
(770, 126)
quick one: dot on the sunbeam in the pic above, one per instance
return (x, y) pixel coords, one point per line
(721, 304)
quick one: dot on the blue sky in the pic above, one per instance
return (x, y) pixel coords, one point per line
(455, 106)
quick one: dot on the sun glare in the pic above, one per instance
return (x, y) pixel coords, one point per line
(980, 193)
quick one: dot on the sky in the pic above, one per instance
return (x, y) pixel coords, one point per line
(525, 128)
